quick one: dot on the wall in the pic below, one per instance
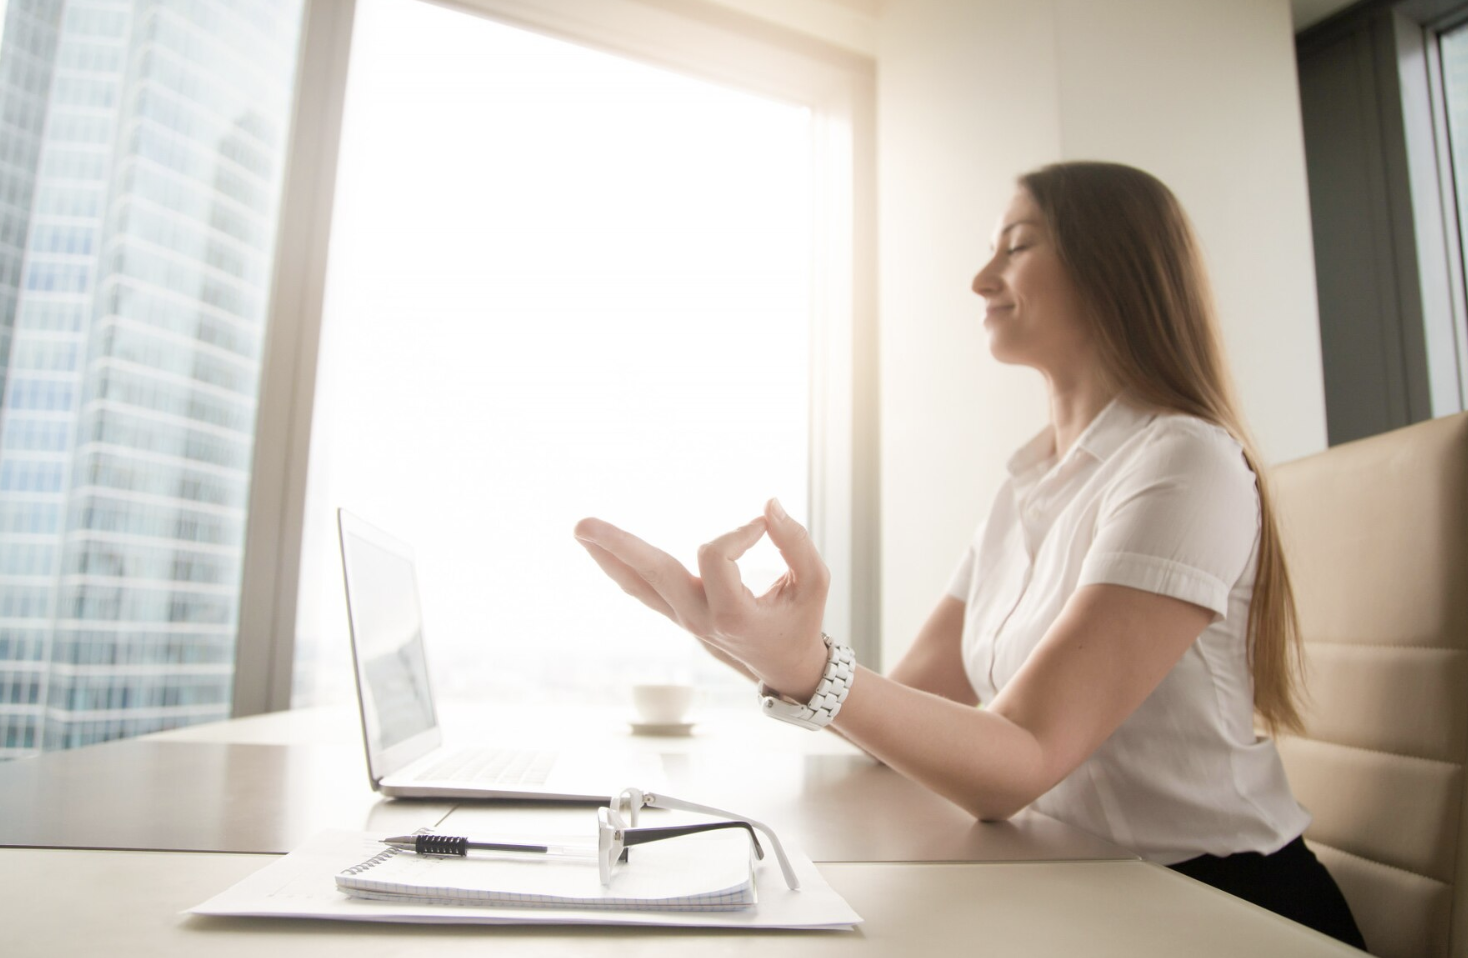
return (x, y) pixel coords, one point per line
(973, 92)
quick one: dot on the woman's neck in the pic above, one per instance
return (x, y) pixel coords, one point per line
(1073, 405)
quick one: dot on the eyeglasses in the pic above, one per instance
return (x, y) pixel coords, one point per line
(614, 835)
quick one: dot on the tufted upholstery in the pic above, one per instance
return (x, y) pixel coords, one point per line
(1376, 533)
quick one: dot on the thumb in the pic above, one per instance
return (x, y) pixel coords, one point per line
(795, 545)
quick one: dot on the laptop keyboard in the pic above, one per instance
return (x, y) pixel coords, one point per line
(500, 766)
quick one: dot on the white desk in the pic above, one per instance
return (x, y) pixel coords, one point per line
(269, 782)
(124, 904)
(926, 878)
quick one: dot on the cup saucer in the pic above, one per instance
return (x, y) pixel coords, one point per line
(662, 728)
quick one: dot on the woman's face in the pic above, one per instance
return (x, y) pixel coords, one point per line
(1033, 312)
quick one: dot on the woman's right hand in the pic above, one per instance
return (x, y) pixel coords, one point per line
(776, 636)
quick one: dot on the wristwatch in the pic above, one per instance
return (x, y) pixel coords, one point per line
(826, 702)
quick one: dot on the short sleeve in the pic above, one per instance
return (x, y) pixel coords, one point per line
(1181, 520)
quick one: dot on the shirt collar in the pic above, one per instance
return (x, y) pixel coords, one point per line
(1113, 425)
(1038, 450)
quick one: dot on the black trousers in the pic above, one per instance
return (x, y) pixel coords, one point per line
(1291, 882)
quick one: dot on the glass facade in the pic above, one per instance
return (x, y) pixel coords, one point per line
(141, 149)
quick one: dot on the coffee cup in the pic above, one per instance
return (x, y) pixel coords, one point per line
(663, 703)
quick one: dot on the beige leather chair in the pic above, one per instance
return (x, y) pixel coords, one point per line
(1376, 532)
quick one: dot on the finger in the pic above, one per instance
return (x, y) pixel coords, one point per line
(718, 565)
(795, 545)
(627, 577)
(660, 571)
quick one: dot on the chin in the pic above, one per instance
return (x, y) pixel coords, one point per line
(1005, 352)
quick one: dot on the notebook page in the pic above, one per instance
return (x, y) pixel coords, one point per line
(707, 871)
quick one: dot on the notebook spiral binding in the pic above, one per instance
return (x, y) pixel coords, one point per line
(377, 859)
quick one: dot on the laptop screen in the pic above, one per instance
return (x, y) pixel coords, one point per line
(387, 635)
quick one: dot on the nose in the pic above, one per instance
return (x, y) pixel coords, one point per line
(986, 280)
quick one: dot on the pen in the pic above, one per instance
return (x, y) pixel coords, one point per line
(455, 845)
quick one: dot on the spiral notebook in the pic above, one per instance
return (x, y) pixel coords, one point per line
(708, 872)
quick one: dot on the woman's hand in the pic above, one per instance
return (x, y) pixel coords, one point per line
(777, 636)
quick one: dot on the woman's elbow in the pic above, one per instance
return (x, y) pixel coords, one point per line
(1001, 801)
(997, 808)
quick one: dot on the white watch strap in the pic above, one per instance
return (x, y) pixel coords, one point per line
(828, 697)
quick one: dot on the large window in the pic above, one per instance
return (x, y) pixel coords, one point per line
(561, 283)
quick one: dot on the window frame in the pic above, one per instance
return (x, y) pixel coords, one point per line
(694, 37)
(1440, 229)
(1414, 302)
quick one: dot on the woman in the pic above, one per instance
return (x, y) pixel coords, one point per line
(1124, 613)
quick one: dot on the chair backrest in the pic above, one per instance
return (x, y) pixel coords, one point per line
(1376, 536)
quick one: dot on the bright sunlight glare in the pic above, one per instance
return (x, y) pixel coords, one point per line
(561, 283)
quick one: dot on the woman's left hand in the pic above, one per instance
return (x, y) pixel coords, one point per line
(776, 635)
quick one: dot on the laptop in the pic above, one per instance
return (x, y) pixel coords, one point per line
(406, 755)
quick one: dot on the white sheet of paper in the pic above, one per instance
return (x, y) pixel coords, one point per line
(303, 885)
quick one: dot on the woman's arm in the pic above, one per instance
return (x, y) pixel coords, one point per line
(934, 663)
(1110, 647)
(1105, 653)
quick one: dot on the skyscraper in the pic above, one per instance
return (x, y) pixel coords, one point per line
(141, 156)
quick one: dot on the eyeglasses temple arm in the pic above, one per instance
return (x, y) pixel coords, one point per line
(641, 836)
(678, 804)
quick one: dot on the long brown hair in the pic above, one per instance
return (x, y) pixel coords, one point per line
(1129, 248)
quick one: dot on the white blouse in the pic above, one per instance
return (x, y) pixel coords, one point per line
(1164, 503)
